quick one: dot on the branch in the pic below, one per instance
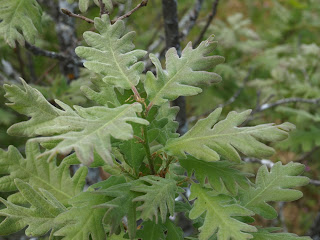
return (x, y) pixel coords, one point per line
(128, 14)
(210, 18)
(71, 14)
(102, 8)
(54, 55)
(287, 100)
(189, 20)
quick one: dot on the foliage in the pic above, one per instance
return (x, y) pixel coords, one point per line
(127, 127)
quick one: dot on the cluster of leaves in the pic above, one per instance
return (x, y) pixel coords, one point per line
(131, 133)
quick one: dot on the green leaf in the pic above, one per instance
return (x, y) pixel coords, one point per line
(183, 73)
(266, 234)
(39, 174)
(219, 215)
(151, 230)
(82, 129)
(207, 140)
(84, 221)
(173, 232)
(84, 4)
(39, 218)
(159, 195)
(219, 174)
(111, 54)
(20, 21)
(134, 153)
(274, 186)
(120, 206)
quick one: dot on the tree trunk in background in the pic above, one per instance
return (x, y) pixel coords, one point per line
(171, 25)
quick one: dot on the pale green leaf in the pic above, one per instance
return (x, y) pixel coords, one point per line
(20, 20)
(219, 174)
(208, 140)
(39, 174)
(39, 218)
(84, 4)
(111, 54)
(183, 73)
(159, 195)
(266, 234)
(275, 185)
(219, 215)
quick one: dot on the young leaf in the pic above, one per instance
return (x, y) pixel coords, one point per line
(39, 174)
(151, 230)
(183, 73)
(84, 4)
(219, 215)
(159, 196)
(20, 21)
(219, 174)
(111, 54)
(266, 234)
(82, 129)
(39, 218)
(207, 140)
(274, 186)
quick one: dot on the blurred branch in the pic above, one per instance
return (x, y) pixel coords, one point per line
(306, 155)
(189, 20)
(287, 100)
(128, 14)
(54, 55)
(102, 8)
(210, 18)
(71, 14)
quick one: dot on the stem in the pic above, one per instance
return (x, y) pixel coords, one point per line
(147, 148)
(128, 14)
(71, 14)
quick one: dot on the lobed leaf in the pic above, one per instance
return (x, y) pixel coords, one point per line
(20, 20)
(84, 4)
(219, 215)
(183, 73)
(208, 140)
(275, 185)
(266, 234)
(39, 218)
(159, 195)
(111, 54)
(39, 174)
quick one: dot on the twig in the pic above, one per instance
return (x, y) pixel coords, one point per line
(21, 62)
(71, 14)
(210, 18)
(315, 182)
(102, 8)
(288, 100)
(54, 55)
(128, 14)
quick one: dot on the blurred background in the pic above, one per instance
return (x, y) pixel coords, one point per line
(272, 66)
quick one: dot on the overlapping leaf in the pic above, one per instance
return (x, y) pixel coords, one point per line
(108, 4)
(39, 174)
(82, 129)
(111, 54)
(208, 140)
(39, 218)
(219, 215)
(275, 185)
(151, 230)
(20, 20)
(219, 174)
(267, 234)
(159, 195)
(183, 73)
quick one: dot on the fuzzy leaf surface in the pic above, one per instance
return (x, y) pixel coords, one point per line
(20, 20)
(111, 54)
(219, 215)
(39, 218)
(84, 4)
(275, 185)
(182, 74)
(266, 234)
(219, 174)
(39, 174)
(159, 195)
(208, 140)
(82, 129)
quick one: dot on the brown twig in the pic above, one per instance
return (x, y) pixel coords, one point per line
(71, 14)
(102, 8)
(128, 14)
(210, 18)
